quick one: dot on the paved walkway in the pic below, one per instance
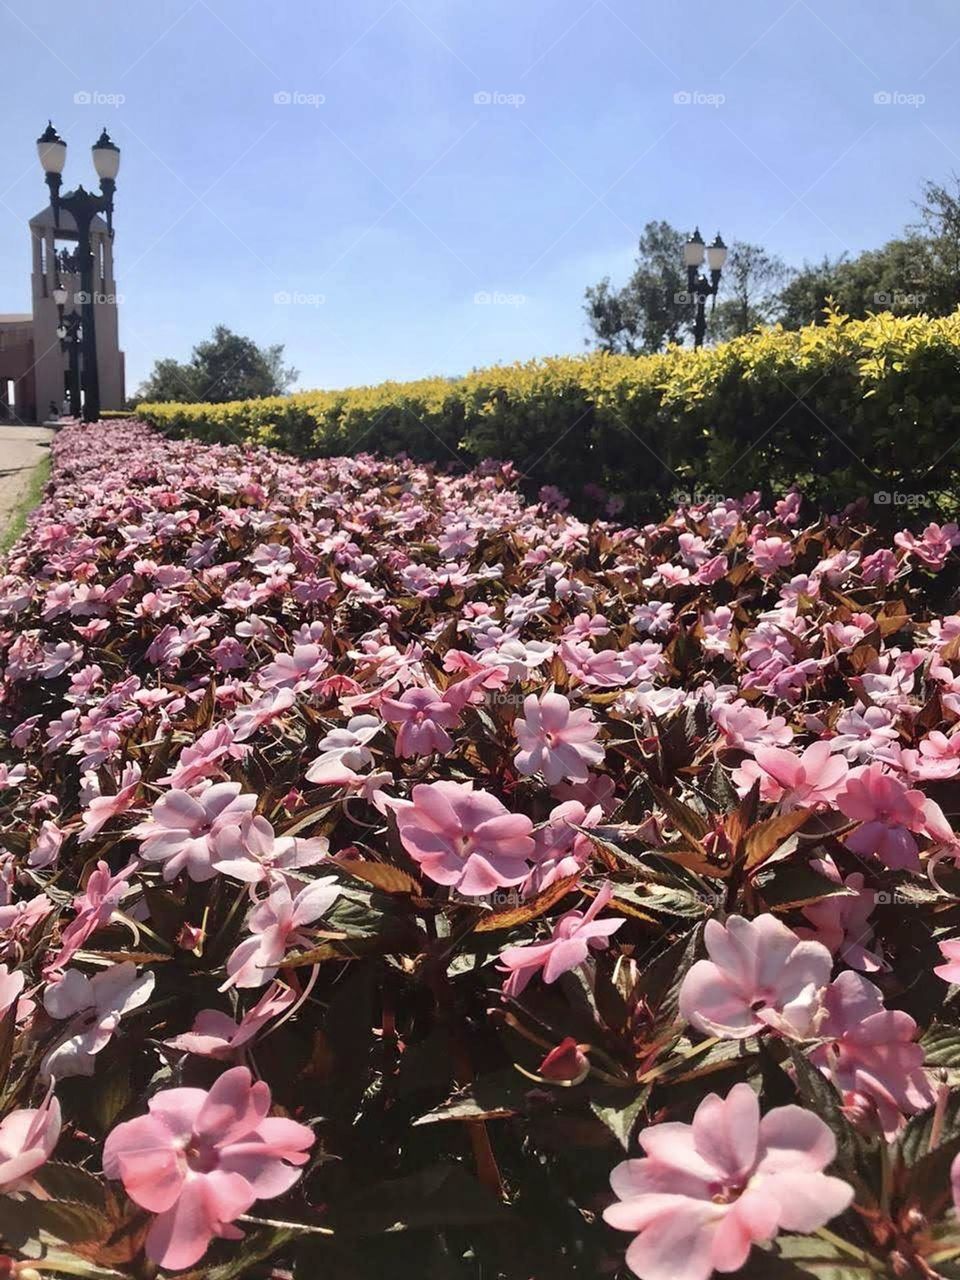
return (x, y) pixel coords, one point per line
(21, 448)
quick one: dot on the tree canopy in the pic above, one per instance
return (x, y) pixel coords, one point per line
(916, 272)
(227, 366)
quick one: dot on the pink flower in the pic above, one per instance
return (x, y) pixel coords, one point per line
(808, 780)
(102, 808)
(299, 671)
(46, 850)
(94, 907)
(277, 924)
(771, 554)
(880, 567)
(200, 1159)
(424, 716)
(94, 1007)
(463, 837)
(840, 922)
(749, 727)
(252, 852)
(344, 751)
(573, 936)
(950, 970)
(705, 1193)
(214, 1034)
(247, 720)
(759, 975)
(555, 741)
(183, 825)
(889, 812)
(11, 988)
(560, 848)
(27, 1140)
(933, 547)
(869, 1053)
(204, 758)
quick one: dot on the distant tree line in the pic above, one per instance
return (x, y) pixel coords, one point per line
(918, 272)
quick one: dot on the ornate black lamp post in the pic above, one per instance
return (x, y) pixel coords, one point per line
(84, 206)
(698, 285)
(69, 331)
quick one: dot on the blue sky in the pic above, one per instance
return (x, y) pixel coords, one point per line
(336, 155)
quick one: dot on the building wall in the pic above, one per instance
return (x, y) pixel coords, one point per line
(51, 362)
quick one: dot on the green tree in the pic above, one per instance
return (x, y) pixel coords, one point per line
(170, 380)
(939, 228)
(897, 277)
(225, 367)
(803, 299)
(750, 290)
(651, 310)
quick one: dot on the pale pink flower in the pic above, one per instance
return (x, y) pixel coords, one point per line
(46, 848)
(809, 780)
(424, 716)
(560, 848)
(277, 923)
(299, 671)
(183, 826)
(705, 1193)
(12, 777)
(94, 908)
(215, 1034)
(94, 1006)
(249, 719)
(27, 1140)
(11, 993)
(200, 1159)
(556, 742)
(863, 731)
(759, 975)
(344, 751)
(574, 935)
(464, 838)
(870, 1053)
(252, 852)
(749, 727)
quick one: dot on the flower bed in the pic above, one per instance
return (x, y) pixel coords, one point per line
(382, 854)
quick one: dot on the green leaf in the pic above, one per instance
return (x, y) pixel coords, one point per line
(669, 899)
(619, 1109)
(941, 1045)
(71, 1182)
(857, 1157)
(814, 1256)
(792, 884)
(492, 1097)
(256, 1247)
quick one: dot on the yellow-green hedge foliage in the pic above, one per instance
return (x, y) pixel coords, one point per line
(842, 409)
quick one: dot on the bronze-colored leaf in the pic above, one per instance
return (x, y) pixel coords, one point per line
(381, 875)
(766, 837)
(528, 911)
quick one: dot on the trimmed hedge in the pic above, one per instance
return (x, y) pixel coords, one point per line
(848, 408)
